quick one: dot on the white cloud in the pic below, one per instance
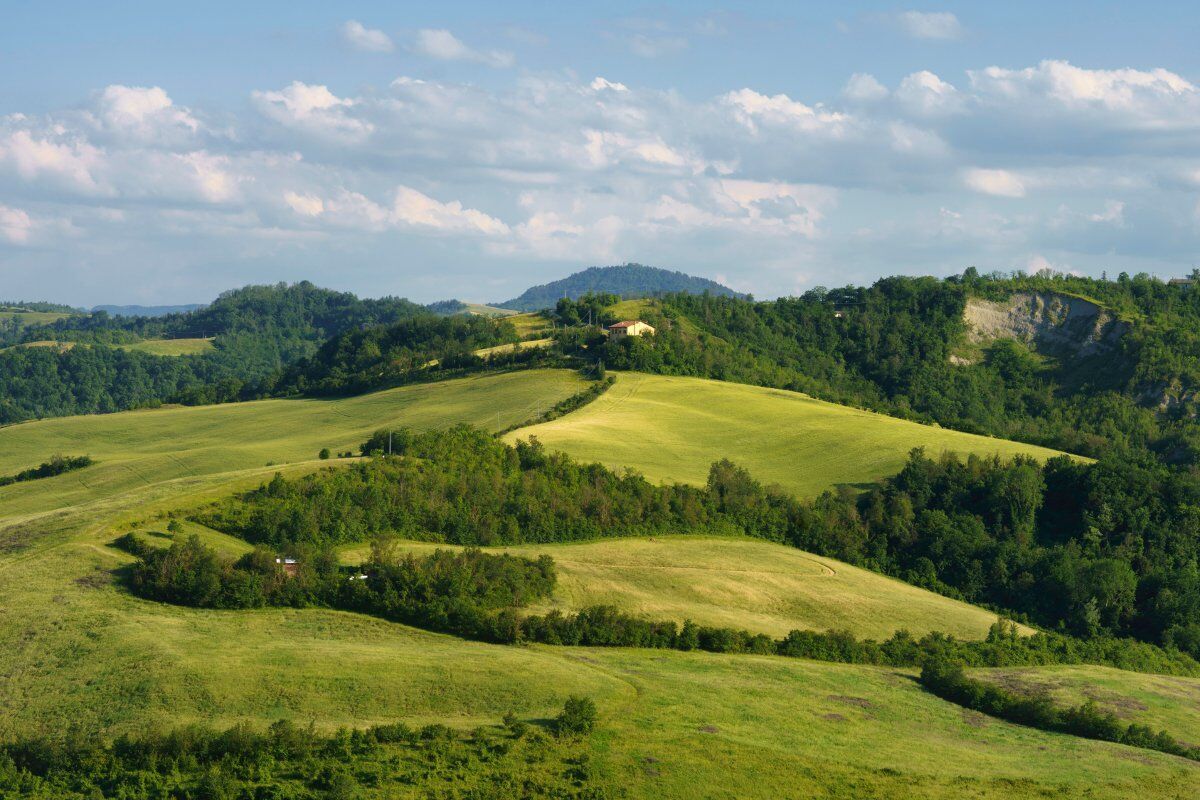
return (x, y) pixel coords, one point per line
(925, 93)
(443, 45)
(930, 24)
(752, 107)
(599, 84)
(414, 208)
(864, 88)
(1148, 100)
(369, 40)
(70, 161)
(306, 205)
(313, 108)
(997, 182)
(146, 112)
(15, 225)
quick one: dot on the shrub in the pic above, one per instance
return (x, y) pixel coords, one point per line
(578, 717)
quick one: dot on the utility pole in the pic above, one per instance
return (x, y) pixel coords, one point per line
(389, 443)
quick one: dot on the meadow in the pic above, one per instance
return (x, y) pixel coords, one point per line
(171, 347)
(76, 649)
(672, 429)
(135, 449)
(1161, 702)
(731, 582)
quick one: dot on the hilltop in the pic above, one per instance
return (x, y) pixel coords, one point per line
(627, 280)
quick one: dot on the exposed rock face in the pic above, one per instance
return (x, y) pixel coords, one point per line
(1054, 322)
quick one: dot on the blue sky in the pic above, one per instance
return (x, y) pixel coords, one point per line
(165, 153)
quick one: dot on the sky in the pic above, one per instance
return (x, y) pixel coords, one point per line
(163, 153)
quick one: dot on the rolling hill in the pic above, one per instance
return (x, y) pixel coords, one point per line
(627, 280)
(672, 429)
(734, 582)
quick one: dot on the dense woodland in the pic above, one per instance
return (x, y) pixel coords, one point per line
(627, 280)
(257, 332)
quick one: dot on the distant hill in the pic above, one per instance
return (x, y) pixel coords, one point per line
(147, 311)
(628, 280)
(448, 308)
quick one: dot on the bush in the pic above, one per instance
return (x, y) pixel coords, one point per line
(324, 454)
(578, 717)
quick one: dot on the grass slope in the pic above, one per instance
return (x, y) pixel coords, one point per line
(140, 448)
(1159, 701)
(744, 583)
(171, 347)
(672, 429)
(75, 648)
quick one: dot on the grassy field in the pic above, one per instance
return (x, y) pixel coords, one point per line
(488, 311)
(672, 429)
(77, 649)
(530, 326)
(26, 318)
(736, 582)
(508, 348)
(1159, 701)
(171, 347)
(140, 448)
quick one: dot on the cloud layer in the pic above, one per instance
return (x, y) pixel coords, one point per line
(1001, 167)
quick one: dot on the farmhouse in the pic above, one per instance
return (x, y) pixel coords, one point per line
(290, 565)
(1182, 282)
(630, 328)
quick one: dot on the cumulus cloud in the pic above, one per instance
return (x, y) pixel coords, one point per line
(863, 87)
(925, 93)
(313, 108)
(56, 156)
(369, 40)
(997, 182)
(443, 45)
(938, 171)
(15, 225)
(929, 24)
(145, 112)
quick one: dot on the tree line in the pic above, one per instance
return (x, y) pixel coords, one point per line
(1091, 549)
(289, 762)
(57, 465)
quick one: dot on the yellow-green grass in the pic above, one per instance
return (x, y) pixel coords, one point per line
(509, 348)
(141, 448)
(672, 429)
(631, 309)
(1158, 701)
(171, 347)
(76, 649)
(56, 343)
(26, 318)
(529, 324)
(736, 582)
(484, 310)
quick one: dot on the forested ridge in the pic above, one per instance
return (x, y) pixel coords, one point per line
(257, 331)
(888, 347)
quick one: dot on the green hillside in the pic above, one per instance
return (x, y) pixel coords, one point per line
(672, 429)
(137, 449)
(734, 582)
(1160, 702)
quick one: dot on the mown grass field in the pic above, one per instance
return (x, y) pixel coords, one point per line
(736, 582)
(672, 429)
(1159, 701)
(140, 448)
(171, 347)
